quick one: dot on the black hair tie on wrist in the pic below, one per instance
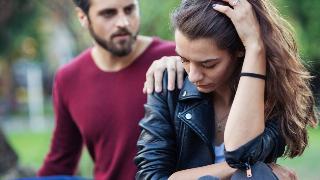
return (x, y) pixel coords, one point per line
(254, 75)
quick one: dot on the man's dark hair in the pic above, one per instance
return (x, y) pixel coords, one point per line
(83, 4)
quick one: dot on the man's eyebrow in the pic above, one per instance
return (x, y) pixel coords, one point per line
(130, 6)
(107, 10)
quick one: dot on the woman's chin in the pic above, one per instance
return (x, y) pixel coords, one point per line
(205, 90)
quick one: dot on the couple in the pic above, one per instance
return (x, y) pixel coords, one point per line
(234, 110)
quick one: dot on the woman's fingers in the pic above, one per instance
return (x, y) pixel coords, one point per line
(243, 18)
(232, 2)
(235, 4)
(223, 9)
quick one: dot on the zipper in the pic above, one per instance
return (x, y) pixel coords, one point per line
(248, 169)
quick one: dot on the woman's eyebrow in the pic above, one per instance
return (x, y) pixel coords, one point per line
(204, 61)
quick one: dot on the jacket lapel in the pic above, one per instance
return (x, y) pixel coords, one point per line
(198, 114)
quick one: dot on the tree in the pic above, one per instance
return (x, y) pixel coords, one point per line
(18, 19)
(305, 17)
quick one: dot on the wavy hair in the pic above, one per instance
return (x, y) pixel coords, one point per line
(288, 96)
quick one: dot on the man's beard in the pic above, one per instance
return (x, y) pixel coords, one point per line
(120, 48)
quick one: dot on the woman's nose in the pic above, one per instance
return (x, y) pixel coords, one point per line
(195, 73)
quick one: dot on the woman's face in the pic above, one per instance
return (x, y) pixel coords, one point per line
(208, 67)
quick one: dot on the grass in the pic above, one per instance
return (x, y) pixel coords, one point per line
(32, 148)
(307, 166)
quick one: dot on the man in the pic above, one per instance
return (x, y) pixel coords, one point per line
(98, 98)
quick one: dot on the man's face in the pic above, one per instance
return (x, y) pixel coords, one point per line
(114, 24)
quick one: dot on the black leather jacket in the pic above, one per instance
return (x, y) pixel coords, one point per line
(177, 134)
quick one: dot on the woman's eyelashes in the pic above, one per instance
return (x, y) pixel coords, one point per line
(206, 64)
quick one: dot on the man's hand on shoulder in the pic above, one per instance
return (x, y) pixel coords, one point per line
(154, 74)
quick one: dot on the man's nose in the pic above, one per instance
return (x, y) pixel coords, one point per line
(122, 21)
(195, 73)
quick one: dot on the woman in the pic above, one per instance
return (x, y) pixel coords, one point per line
(246, 93)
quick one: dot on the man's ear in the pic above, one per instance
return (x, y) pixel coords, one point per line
(82, 17)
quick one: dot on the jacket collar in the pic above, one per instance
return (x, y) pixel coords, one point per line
(189, 91)
(199, 115)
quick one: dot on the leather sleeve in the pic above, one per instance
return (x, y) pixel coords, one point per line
(156, 157)
(266, 147)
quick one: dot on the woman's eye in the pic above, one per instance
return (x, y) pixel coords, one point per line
(208, 65)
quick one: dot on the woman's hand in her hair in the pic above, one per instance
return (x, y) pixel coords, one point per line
(154, 75)
(244, 19)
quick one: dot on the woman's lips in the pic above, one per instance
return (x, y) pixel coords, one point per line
(202, 86)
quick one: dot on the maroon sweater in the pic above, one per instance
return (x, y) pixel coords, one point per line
(100, 110)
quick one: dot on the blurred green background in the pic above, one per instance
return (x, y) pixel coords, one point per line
(36, 37)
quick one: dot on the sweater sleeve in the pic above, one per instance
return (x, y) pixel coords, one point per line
(266, 147)
(66, 143)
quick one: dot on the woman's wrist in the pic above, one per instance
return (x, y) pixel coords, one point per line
(256, 47)
(255, 59)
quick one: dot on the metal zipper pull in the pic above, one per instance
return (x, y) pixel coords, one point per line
(248, 170)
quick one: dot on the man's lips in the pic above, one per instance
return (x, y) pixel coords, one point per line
(121, 36)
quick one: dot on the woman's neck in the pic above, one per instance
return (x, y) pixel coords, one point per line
(222, 97)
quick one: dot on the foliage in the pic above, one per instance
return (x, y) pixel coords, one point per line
(305, 18)
(19, 19)
(156, 17)
(307, 166)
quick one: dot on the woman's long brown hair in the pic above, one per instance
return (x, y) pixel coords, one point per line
(288, 96)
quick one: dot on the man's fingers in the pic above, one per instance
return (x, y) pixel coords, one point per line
(144, 90)
(180, 72)
(171, 68)
(154, 75)
(158, 75)
(149, 82)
